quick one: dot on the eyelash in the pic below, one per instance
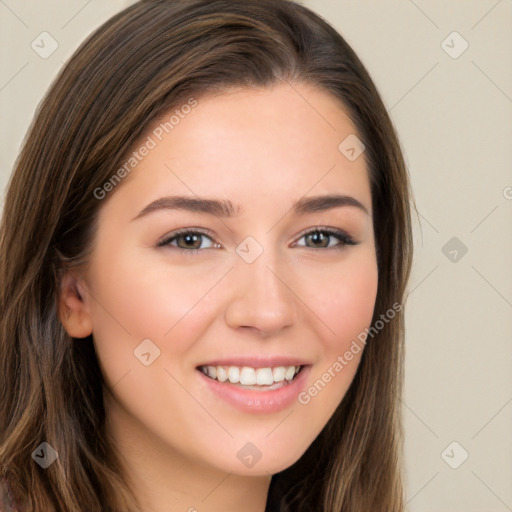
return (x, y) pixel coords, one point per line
(342, 236)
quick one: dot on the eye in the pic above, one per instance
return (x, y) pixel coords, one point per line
(322, 238)
(190, 241)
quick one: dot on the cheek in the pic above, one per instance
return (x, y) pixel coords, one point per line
(134, 299)
(344, 298)
(352, 309)
(139, 293)
(345, 306)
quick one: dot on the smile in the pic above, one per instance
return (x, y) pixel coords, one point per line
(267, 389)
(252, 378)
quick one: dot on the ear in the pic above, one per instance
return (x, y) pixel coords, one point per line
(74, 306)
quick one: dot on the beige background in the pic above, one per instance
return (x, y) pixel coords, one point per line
(454, 119)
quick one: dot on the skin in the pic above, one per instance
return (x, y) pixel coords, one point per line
(262, 149)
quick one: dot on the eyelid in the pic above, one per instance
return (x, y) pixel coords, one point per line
(162, 242)
(341, 235)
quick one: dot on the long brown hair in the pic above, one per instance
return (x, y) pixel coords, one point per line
(145, 60)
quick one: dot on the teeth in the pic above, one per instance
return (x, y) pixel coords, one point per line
(234, 374)
(247, 376)
(279, 373)
(222, 374)
(264, 377)
(290, 373)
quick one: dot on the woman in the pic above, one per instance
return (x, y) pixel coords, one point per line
(204, 252)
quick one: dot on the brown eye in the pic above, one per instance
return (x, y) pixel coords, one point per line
(190, 241)
(319, 239)
(324, 238)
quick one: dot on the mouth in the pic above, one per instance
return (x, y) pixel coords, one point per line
(247, 377)
(267, 387)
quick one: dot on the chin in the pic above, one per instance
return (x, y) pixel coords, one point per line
(263, 461)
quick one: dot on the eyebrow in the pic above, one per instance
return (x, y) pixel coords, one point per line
(224, 208)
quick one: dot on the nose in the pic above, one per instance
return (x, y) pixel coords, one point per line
(261, 297)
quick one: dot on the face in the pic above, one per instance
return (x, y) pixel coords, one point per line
(185, 297)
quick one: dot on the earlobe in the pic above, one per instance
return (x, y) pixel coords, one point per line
(74, 307)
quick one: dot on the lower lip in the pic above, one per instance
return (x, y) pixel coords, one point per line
(256, 401)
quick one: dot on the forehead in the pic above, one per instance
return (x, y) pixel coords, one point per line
(246, 142)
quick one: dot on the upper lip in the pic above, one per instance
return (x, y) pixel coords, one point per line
(257, 361)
